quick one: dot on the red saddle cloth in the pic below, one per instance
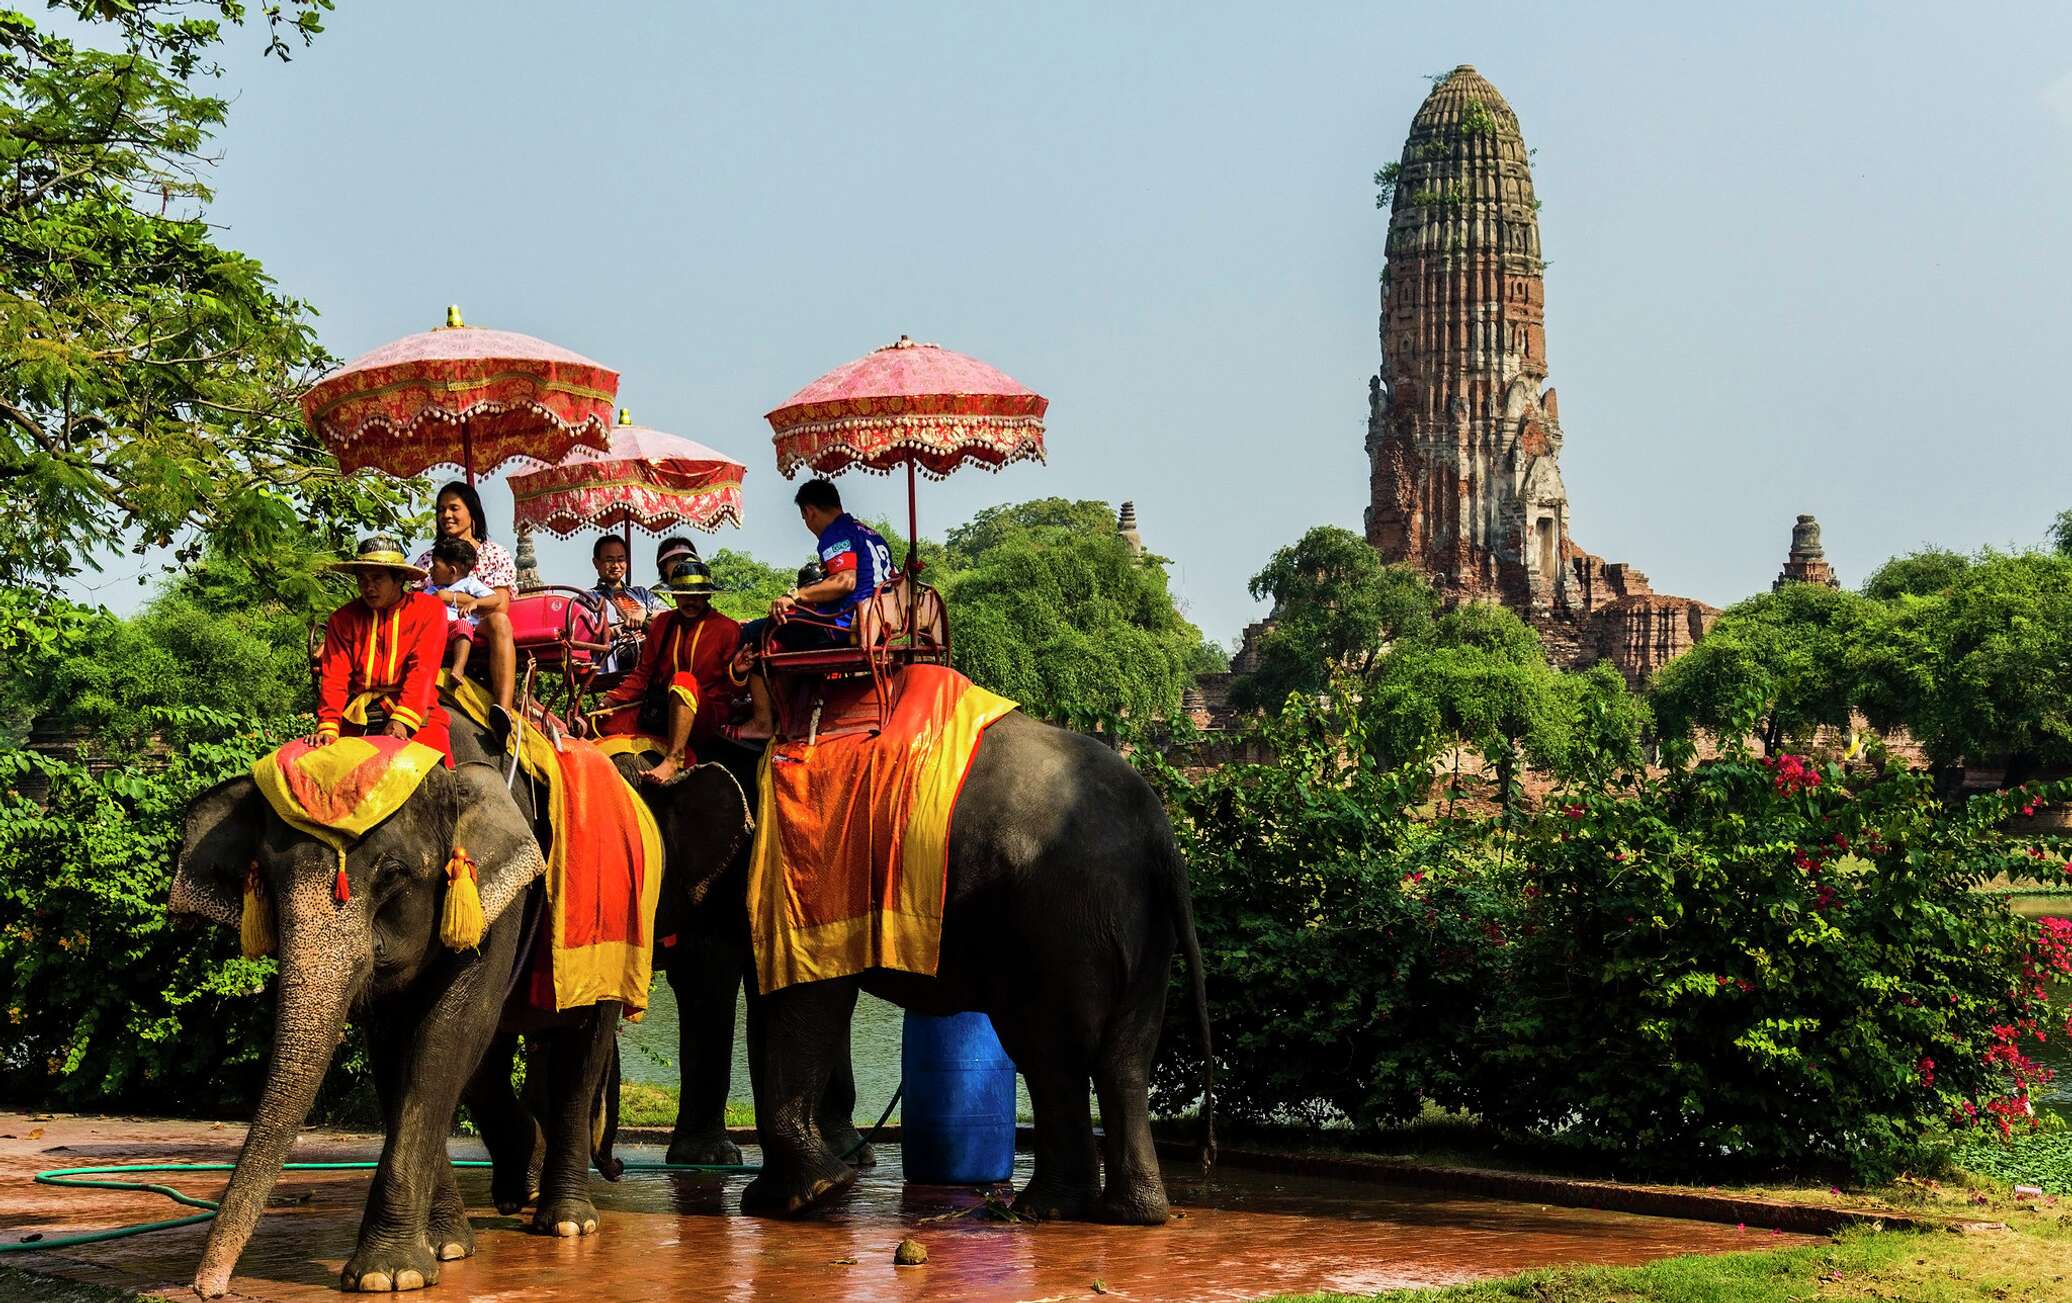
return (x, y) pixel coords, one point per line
(851, 854)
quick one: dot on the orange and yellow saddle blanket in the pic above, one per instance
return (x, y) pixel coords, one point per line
(339, 791)
(852, 840)
(604, 872)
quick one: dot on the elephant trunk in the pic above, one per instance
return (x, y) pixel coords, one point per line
(319, 965)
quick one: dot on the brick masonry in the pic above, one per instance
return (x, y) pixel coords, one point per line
(1463, 435)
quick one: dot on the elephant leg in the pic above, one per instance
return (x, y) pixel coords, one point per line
(508, 1128)
(446, 1227)
(799, 1031)
(707, 984)
(575, 1058)
(1066, 1182)
(1134, 1193)
(427, 1060)
(836, 1113)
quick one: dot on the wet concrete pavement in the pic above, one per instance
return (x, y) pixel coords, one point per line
(678, 1236)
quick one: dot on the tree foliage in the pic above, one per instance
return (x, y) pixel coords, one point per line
(148, 375)
(1772, 666)
(1921, 573)
(1049, 606)
(1337, 611)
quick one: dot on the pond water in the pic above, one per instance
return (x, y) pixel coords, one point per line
(2057, 1052)
(648, 1052)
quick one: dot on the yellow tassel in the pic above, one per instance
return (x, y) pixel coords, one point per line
(255, 928)
(461, 925)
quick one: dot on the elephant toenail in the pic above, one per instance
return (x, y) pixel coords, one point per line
(410, 1278)
(590, 1227)
(566, 1229)
(375, 1282)
(452, 1250)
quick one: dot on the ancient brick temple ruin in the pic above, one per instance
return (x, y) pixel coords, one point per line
(1463, 434)
(1806, 563)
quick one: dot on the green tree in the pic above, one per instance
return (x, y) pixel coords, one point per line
(748, 585)
(1920, 573)
(1978, 672)
(148, 375)
(2061, 534)
(1049, 606)
(1774, 666)
(1337, 611)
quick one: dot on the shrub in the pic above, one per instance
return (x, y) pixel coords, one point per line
(1347, 948)
(1769, 963)
(108, 1001)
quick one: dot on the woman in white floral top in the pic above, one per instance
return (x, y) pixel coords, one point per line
(460, 514)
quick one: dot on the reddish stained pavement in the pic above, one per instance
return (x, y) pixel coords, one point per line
(676, 1236)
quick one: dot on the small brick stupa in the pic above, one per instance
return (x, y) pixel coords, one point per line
(1807, 563)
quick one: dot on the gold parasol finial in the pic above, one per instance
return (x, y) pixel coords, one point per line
(625, 417)
(453, 316)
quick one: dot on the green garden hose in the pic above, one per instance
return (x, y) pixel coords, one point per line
(71, 1177)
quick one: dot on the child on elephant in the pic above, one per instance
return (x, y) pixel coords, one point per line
(452, 580)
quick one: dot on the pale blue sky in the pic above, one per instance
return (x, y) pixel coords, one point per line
(1804, 257)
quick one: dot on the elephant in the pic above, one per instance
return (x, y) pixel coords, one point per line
(1065, 900)
(709, 957)
(430, 1012)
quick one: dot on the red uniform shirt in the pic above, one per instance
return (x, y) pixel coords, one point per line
(690, 660)
(387, 660)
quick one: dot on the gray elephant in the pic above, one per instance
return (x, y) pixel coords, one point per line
(430, 1011)
(1066, 898)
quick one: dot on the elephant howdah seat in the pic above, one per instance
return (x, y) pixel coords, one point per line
(905, 622)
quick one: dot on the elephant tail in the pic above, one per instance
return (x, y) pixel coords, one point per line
(1190, 947)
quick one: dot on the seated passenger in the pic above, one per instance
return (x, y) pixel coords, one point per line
(855, 559)
(460, 516)
(379, 669)
(453, 582)
(668, 553)
(626, 607)
(684, 680)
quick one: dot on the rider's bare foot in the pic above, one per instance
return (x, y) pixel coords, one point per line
(665, 769)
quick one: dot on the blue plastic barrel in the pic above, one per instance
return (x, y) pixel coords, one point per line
(957, 1117)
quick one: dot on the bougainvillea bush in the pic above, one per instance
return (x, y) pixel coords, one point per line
(1772, 962)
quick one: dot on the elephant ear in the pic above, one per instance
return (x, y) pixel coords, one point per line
(705, 822)
(218, 843)
(490, 827)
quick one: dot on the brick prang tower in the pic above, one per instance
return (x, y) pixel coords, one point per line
(1463, 437)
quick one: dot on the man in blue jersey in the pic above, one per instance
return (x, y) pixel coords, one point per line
(855, 559)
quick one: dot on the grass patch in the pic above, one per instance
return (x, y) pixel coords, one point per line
(642, 1105)
(2026, 1263)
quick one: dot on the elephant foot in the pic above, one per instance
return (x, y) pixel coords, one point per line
(514, 1182)
(451, 1239)
(509, 1202)
(567, 1217)
(702, 1149)
(776, 1194)
(847, 1143)
(1057, 1202)
(1133, 1205)
(386, 1268)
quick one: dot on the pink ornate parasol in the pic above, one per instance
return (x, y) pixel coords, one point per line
(648, 479)
(461, 396)
(916, 405)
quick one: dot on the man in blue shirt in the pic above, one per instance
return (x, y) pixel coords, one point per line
(856, 560)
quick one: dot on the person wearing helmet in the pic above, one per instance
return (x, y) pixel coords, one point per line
(684, 682)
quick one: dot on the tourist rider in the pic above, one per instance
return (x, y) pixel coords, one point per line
(453, 582)
(669, 553)
(855, 559)
(460, 516)
(379, 669)
(685, 680)
(626, 607)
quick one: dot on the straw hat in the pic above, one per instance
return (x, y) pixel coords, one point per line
(380, 552)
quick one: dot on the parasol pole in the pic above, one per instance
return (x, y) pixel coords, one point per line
(913, 561)
(467, 452)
